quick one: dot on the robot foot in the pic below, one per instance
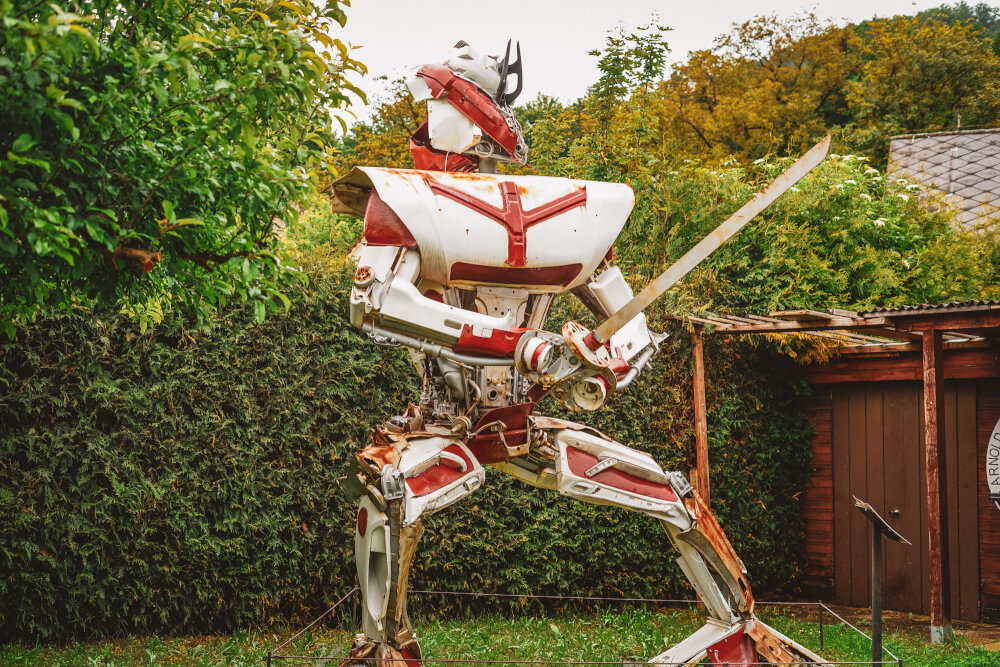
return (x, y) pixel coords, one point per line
(373, 654)
(748, 642)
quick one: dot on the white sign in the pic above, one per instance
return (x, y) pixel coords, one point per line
(993, 465)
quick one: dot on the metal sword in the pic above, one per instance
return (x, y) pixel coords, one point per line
(710, 243)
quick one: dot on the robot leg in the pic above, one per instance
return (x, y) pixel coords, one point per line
(427, 474)
(593, 468)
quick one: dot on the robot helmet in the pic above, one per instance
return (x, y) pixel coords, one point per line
(468, 111)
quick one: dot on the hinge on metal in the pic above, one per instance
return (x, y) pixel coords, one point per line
(392, 483)
(680, 483)
(379, 339)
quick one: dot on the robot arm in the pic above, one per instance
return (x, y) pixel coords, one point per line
(578, 371)
(631, 347)
(604, 295)
(386, 301)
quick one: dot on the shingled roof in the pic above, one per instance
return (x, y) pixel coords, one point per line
(963, 164)
(951, 306)
(882, 329)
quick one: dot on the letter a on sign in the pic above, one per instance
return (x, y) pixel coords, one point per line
(993, 465)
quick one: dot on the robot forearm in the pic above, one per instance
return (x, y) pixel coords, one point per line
(385, 295)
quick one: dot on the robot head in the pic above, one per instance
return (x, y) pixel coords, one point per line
(468, 111)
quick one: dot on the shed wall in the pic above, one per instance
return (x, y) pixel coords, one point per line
(869, 443)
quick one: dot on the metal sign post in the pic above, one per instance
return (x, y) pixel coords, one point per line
(880, 529)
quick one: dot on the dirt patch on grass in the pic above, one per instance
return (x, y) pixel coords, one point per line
(917, 626)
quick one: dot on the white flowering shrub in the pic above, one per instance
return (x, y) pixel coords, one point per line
(845, 236)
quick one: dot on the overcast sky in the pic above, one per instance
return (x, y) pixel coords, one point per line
(556, 35)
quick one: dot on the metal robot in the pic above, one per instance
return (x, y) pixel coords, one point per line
(460, 265)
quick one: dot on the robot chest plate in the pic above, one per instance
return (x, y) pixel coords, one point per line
(537, 232)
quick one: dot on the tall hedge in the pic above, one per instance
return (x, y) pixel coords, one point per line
(185, 480)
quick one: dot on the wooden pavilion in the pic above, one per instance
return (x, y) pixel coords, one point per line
(903, 415)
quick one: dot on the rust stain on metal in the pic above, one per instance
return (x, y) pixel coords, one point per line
(363, 274)
(475, 177)
(373, 655)
(770, 647)
(359, 654)
(381, 455)
(397, 171)
(470, 177)
(716, 537)
(700, 419)
(409, 537)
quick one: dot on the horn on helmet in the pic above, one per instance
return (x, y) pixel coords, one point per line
(507, 68)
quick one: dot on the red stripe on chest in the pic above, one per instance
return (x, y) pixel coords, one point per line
(512, 216)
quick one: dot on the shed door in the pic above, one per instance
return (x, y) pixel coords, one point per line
(878, 456)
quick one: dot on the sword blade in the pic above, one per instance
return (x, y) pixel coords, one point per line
(711, 243)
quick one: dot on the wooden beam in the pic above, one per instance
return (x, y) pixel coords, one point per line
(810, 325)
(699, 320)
(954, 322)
(937, 499)
(700, 419)
(724, 321)
(807, 315)
(892, 333)
(874, 363)
(736, 319)
(762, 318)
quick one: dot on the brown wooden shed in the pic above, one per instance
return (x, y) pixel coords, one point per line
(911, 390)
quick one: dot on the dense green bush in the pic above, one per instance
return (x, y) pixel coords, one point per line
(149, 146)
(185, 480)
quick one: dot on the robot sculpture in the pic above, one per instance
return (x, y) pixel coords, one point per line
(460, 265)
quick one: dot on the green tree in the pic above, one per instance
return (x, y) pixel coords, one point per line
(148, 147)
(915, 75)
(630, 61)
(774, 85)
(983, 16)
(769, 85)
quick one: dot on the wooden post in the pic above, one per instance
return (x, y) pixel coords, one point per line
(937, 508)
(700, 419)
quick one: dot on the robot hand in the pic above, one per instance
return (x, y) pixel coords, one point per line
(607, 356)
(546, 359)
(594, 355)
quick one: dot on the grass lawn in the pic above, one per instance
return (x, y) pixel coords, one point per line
(600, 636)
